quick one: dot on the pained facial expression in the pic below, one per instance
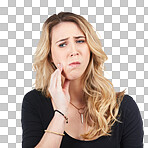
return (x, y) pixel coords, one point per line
(69, 47)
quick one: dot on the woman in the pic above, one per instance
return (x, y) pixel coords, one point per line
(73, 104)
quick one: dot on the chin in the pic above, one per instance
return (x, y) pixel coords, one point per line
(72, 76)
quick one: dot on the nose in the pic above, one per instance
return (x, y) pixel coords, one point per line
(74, 54)
(74, 51)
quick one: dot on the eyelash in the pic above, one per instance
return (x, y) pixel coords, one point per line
(80, 41)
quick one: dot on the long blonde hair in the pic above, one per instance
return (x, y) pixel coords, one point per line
(102, 102)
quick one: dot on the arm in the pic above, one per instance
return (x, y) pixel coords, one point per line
(132, 136)
(52, 140)
(33, 131)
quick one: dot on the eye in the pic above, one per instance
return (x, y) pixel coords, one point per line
(80, 41)
(62, 45)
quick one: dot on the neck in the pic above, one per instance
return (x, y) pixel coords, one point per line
(76, 93)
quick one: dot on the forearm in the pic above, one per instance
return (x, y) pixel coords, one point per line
(53, 140)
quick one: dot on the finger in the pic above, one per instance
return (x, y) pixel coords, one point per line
(60, 69)
(58, 81)
(53, 80)
(60, 66)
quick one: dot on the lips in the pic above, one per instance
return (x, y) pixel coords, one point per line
(74, 63)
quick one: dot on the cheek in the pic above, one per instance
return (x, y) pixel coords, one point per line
(59, 58)
(66, 70)
(56, 58)
(87, 55)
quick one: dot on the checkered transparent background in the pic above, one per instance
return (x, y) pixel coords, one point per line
(122, 26)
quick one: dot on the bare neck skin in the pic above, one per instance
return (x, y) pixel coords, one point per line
(76, 93)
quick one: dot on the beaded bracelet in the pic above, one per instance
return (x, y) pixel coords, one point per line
(62, 115)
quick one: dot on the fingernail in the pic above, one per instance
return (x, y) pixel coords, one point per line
(60, 66)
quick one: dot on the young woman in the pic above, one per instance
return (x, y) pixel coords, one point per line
(73, 104)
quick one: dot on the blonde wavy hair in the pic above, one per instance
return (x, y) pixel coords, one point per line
(102, 102)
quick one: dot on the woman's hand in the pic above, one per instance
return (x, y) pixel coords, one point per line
(60, 95)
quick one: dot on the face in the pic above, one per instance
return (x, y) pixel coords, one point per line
(69, 47)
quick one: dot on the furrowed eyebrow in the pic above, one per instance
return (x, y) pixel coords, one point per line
(77, 37)
(62, 40)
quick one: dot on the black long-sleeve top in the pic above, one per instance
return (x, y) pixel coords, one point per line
(37, 112)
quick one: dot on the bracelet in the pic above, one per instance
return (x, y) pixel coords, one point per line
(54, 133)
(62, 115)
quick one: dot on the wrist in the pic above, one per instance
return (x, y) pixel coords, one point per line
(64, 111)
(58, 112)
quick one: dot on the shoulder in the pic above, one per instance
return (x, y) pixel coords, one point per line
(128, 104)
(129, 110)
(35, 102)
(32, 93)
(132, 127)
(33, 98)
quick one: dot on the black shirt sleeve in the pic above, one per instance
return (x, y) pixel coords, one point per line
(31, 123)
(132, 136)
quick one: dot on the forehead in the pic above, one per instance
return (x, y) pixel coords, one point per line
(65, 29)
